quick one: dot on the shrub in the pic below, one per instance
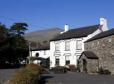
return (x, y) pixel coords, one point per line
(59, 69)
(104, 71)
(34, 67)
(28, 75)
(72, 68)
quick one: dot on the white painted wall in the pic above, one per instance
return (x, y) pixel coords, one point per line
(73, 53)
(42, 53)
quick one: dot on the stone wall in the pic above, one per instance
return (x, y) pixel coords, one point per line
(91, 66)
(104, 49)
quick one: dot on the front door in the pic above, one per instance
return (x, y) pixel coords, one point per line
(84, 66)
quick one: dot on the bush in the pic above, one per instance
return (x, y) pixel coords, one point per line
(34, 67)
(72, 68)
(59, 69)
(28, 75)
(104, 71)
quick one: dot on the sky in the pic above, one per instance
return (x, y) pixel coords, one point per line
(45, 14)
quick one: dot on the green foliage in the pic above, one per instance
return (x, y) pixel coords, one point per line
(13, 46)
(28, 75)
(3, 32)
(34, 67)
(19, 28)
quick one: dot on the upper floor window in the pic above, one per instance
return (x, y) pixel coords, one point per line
(57, 46)
(67, 45)
(79, 44)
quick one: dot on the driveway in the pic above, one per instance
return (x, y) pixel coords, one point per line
(77, 78)
(5, 75)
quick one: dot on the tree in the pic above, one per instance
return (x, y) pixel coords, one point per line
(19, 43)
(3, 42)
(3, 32)
(13, 46)
(19, 28)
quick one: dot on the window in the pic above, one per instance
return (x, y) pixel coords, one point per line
(67, 60)
(57, 61)
(79, 44)
(67, 45)
(37, 54)
(57, 46)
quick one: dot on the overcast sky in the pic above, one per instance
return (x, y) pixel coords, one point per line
(43, 14)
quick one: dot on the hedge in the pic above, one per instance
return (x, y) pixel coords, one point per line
(28, 75)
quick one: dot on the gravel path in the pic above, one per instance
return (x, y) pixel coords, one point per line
(5, 75)
(77, 78)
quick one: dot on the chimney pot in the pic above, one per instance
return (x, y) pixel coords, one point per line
(66, 27)
(103, 22)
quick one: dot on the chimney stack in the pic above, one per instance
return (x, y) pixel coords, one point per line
(66, 28)
(103, 22)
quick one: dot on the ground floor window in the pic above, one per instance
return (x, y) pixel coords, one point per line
(57, 61)
(67, 62)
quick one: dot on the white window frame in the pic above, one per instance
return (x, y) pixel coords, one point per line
(79, 45)
(57, 46)
(67, 59)
(67, 45)
(57, 61)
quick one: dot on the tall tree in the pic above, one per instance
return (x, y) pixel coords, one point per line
(13, 46)
(20, 44)
(19, 28)
(3, 32)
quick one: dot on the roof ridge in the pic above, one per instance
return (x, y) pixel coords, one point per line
(95, 37)
(77, 32)
(83, 27)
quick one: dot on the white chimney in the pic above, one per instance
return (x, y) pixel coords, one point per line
(66, 28)
(103, 22)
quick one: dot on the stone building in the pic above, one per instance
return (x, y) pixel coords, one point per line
(66, 48)
(103, 47)
(88, 62)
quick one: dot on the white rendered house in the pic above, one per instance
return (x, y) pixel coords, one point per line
(41, 53)
(66, 48)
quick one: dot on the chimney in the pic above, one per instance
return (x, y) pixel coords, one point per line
(103, 23)
(66, 28)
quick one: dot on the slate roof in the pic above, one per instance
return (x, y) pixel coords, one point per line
(89, 55)
(41, 48)
(102, 35)
(77, 33)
